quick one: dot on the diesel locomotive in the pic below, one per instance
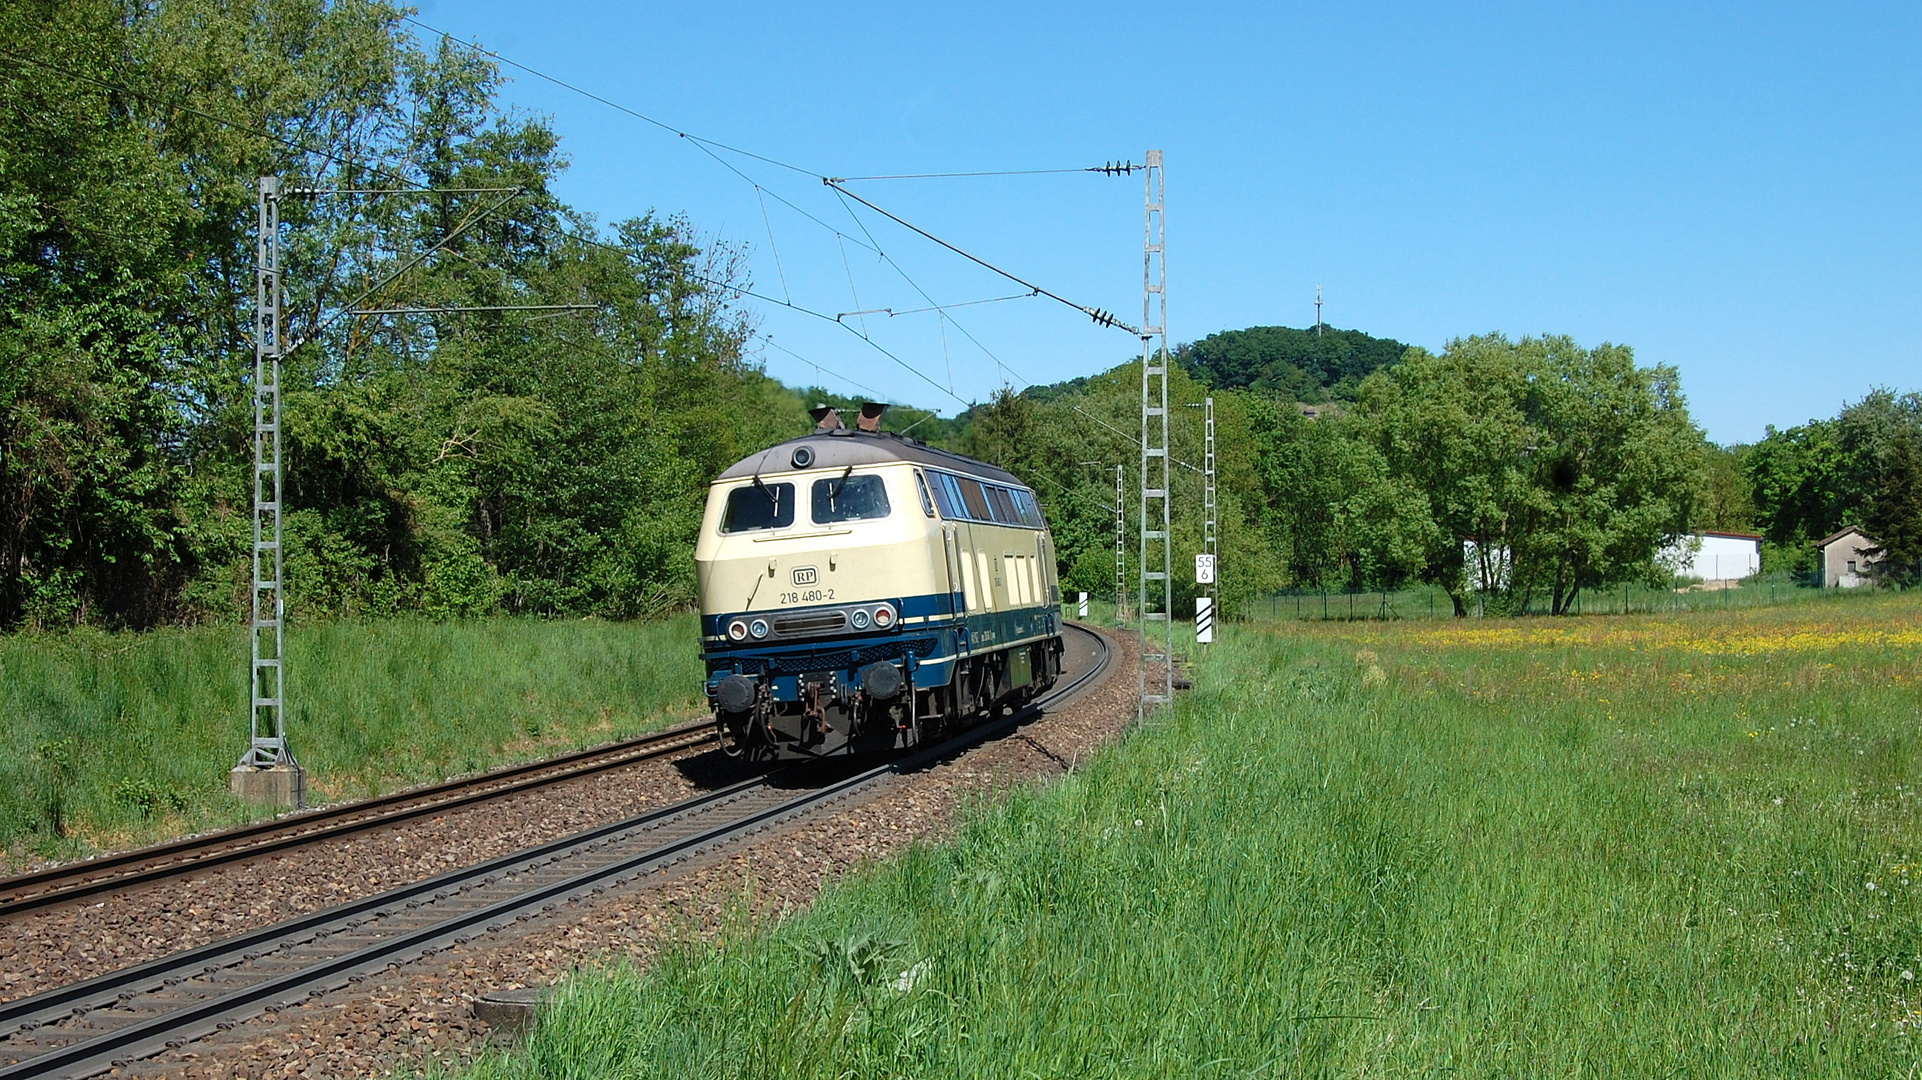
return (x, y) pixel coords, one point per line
(862, 591)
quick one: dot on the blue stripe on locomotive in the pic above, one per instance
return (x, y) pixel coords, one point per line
(930, 638)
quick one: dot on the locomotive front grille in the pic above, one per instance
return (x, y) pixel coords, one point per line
(815, 622)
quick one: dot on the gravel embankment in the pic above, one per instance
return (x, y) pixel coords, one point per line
(404, 1022)
(42, 950)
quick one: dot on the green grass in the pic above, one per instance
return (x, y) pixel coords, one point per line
(112, 740)
(1609, 847)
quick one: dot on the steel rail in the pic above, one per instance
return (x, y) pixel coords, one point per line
(109, 873)
(604, 864)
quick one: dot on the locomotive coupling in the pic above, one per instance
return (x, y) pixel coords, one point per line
(882, 681)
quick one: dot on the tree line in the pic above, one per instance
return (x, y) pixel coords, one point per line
(444, 462)
(553, 462)
(1520, 470)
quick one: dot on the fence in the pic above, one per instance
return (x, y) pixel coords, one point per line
(1430, 602)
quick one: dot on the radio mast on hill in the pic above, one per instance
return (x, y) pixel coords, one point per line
(1317, 310)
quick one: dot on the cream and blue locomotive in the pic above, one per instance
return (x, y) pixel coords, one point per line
(862, 591)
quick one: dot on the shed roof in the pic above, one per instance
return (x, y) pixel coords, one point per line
(1840, 533)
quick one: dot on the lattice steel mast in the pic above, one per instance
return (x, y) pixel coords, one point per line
(1155, 672)
(267, 692)
(1120, 550)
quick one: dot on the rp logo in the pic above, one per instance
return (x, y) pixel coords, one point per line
(804, 575)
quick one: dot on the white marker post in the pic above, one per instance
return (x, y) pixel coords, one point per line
(1204, 605)
(1084, 605)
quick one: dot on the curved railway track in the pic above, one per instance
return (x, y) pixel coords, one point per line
(108, 873)
(89, 1027)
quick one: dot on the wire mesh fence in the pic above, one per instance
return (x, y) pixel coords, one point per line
(1627, 598)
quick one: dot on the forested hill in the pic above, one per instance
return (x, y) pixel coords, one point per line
(1305, 365)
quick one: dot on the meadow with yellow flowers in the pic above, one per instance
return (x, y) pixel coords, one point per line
(1613, 847)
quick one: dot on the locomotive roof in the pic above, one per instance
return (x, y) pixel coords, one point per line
(843, 447)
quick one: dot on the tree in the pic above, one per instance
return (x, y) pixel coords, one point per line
(444, 462)
(1802, 482)
(1724, 500)
(1882, 437)
(1546, 468)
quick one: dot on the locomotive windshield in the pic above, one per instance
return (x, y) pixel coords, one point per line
(760, 506)
(849, 498)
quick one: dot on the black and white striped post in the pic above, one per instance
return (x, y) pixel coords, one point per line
(1204, 604)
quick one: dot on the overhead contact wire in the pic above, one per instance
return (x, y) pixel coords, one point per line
(1100, 317)
(415, 185)
(707, 146)
(924, 293)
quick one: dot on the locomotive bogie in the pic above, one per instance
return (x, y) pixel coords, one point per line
(860, 591)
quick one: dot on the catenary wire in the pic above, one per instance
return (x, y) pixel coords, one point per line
(414, 185)
(953, 175)
(1099, 316)
(770, 342)
(663, 125)
(410, 184)
(916, 286)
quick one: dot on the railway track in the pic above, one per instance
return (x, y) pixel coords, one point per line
(89, 1027)
(109, 873)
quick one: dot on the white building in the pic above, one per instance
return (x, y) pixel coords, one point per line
(1714, 556)
(1486, 574)
(1846, 558)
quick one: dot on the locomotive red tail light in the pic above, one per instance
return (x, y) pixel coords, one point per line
(737, 630)
(884, 616)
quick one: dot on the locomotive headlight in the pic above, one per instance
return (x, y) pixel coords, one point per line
(859, 619)
(758, 628)
(737, 630)
(884, 616)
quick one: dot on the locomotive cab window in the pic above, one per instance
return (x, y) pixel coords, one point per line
(849, 498)
(764, 506)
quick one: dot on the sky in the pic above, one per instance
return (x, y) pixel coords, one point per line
(1731, 189)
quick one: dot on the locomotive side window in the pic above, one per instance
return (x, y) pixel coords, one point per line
(921, 485)
(1001, 505)
(766, 506)
(960, 498)
(947, 498)
(849, 498)
(976, 501)
(1030, 514)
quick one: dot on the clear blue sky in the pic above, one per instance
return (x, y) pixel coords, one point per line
(1729, 188)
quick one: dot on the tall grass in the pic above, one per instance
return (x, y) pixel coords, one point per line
(107, 740)
(1676, 846)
